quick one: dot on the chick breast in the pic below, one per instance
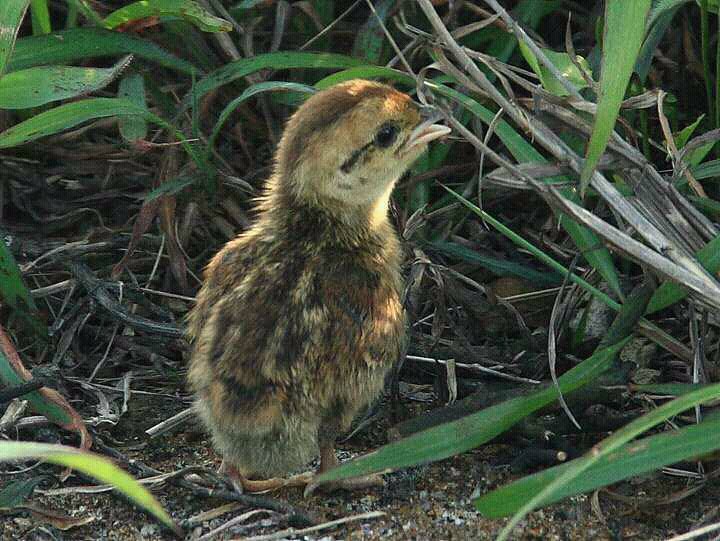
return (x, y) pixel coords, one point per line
(293, 326)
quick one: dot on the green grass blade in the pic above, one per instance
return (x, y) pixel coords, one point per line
(550, 262)
(670, 293)
(83, 7)
(684, 135)
(33, 87)
(132, 88)
(15, 296)
(501, 267)
(247, 4)
(609, 446)
(564, 65)
(265, 86)
(90, 464)
(624, 33)
(39, 403)
(663, 7)
(71, 114)
(590, 246)
(539, 254)
(630, 313)
(18, 492)
(659, 20)
(72, 15)
(84, 43)
(703, 171)
(170, 187)
(184, 9)
(469, 432)
(64, 117)
(40, 17)
(631, 459)
(12, 13)
(707, 205)
(370, 37)
(281, 60)
(366, 72)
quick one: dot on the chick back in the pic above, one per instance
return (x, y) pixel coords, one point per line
(297, 323)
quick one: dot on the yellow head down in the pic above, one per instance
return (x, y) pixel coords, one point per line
(349, 144)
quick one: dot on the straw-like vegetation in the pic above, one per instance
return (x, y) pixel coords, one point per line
(563, 245)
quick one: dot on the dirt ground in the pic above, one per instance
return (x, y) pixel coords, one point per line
(432, 502)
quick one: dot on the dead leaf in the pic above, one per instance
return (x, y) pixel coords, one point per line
(142, 223)
(178, 265)
(56, 408)
(56, 518)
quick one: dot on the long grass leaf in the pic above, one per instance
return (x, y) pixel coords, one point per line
(265, 86)
(11, 15)
(609, 446)
(670, 293)
(33, 87)
(659, 20)
(707, 205)
(588, 243)
(670, 389)
(132, 88)
(631, 459)
(85, 43)
(623, 35)
(15, 296)
(91, 464)
(365, 72)
(565, 66)
(70, 115)
(185, 9)
(281, 60)
(550, 262)
(64, 117)
(83, 6)
(535, 251)
(370, 36)
(501, 267)
(469, 432)
(40, 17)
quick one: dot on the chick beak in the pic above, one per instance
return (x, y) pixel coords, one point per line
(426, 131)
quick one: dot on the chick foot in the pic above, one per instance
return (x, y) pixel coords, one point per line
(328, 460)
(245, 485)
(357, 483)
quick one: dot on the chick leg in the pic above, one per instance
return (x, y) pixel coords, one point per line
(243, 484)
(328, 460)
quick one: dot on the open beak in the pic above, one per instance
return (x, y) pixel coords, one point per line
(425, 132)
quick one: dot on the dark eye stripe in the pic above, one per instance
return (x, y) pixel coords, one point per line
(348, 164)
(385, 136)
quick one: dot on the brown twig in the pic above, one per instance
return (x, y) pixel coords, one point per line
(297, 515)
(97, 291)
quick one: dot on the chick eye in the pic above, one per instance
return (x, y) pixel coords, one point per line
(386, 135)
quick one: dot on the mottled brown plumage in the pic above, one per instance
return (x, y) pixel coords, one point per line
(299, 318)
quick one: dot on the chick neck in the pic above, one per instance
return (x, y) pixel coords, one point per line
(330, 221)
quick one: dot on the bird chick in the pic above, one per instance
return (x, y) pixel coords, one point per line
(299, 318)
